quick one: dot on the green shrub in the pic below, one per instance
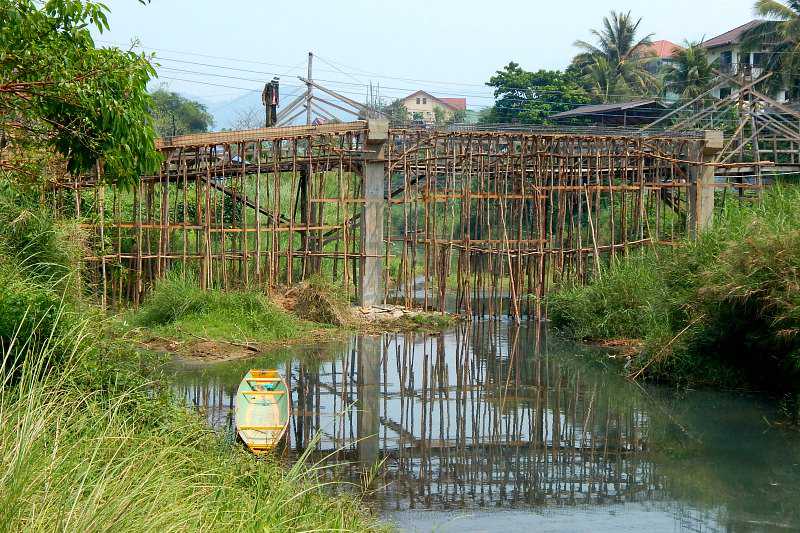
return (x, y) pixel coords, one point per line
(629, 300)
(724, 308)
(177, 307)
(43, 250)
(38, 281)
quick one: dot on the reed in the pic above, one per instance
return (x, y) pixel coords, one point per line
(722, 309)
(88, 443)
(78, 453)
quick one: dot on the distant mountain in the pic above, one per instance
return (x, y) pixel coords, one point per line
(226, 113)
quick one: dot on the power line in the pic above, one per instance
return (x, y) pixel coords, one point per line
(336, 82)
(637, 114)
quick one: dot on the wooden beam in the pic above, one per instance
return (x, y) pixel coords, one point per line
(260, 134)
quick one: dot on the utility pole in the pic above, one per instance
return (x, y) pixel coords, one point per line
(309, 88)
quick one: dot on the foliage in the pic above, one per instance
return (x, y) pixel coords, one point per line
(59, 92)
(628, 301)
(396, 112)
(177, 115)
(691, 72)
(178, 308)
(35, 244)
(458, 116)
(780, 34)
(531, 97)
(724, 308)
(38, 270)
(249, 119)
(615, 67)
(439, 115)
(94, 446)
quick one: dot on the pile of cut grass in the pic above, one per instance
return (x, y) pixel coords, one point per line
(723, 309)
(178, 308)
(320, 301)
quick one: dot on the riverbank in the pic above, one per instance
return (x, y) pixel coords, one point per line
(91, 436)
(722, 310)
(212, 326)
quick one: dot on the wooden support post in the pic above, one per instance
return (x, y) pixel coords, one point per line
(372, 218)
(701, 181)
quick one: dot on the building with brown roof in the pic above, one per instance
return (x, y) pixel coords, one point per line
(663, 50)
(421, 105)
(734, 60)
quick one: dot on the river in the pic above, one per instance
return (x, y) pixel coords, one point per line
(493, 426)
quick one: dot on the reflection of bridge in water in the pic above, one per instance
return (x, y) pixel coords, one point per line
(493, 415)
(476, 417)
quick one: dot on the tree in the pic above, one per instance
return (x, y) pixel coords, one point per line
(532, 97)
(60, 94)
(486, 116)
(615, 66)
(439, 115)
(781, 36)
(396, 112)
(253, 117)
(691, 72)
(457, 116)
(177, 115)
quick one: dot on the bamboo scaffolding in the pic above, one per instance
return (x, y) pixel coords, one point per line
(481, 223)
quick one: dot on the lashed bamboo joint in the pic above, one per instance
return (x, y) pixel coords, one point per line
(478, 222)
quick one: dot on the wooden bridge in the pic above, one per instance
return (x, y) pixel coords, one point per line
(480, 221)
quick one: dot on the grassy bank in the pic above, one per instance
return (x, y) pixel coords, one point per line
(178, 308)
(723, 309)
(85, 447)
(91, 441)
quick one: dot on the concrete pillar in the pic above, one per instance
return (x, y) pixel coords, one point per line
(368, 405)
(701, 181)
(373, 213)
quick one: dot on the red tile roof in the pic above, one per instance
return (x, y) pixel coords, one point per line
(456, 103)
(663, 49)
(733, 36)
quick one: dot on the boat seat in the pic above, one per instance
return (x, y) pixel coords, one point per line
(260, 428)
(264, 392)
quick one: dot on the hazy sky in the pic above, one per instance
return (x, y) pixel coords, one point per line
(448, 47)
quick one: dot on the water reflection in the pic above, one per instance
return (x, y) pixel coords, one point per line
(495, 416)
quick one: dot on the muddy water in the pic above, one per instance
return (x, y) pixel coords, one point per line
(496, 427)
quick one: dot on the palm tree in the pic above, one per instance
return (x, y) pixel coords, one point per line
(601, 80)
(691, 73)
(780, 34)
(618, 60)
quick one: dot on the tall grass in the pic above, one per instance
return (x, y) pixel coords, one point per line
(88, 444)
(724, 308)
(177, 307)
(74, 459)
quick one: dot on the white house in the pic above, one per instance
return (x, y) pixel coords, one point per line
(733, 61)
(422, 105)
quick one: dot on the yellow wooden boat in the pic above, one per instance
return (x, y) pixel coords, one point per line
(262, 409)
